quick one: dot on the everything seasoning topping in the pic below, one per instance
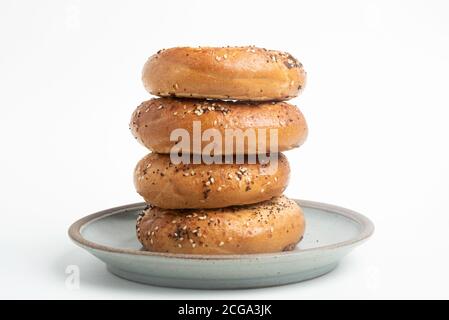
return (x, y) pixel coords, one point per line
(209, 181)
(207, 106)
(184, 235)
(290, 61)
(275, 56)
(198, 110)
(242, 174)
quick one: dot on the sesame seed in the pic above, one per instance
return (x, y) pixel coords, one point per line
(175, 113)
(173, 221)
(185, 227)
(160, 107)
(179, 245)
(230, 238)
(193, 245)
(151, 241)
(191, 240)
(271, 229)
(156, 228)
(198, 112)
(182, 238)
(219, 189)
(185, 174)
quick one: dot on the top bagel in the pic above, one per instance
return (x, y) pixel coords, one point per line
(229, 73)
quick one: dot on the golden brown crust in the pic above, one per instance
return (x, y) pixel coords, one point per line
(154, 120)
(166, 185)
(271, 226)
(236, 73)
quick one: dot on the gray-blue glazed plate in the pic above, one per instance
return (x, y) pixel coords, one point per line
(331, 232)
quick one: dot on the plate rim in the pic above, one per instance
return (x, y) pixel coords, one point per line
(74, 233)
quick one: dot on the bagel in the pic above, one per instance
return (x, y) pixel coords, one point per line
(166, 185)
(234, 73)
(271, 226)
(154, 120)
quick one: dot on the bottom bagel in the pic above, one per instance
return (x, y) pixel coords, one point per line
(270, 226)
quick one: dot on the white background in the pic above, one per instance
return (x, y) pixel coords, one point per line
(376, 103)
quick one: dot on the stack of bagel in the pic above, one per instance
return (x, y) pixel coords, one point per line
(220, 207)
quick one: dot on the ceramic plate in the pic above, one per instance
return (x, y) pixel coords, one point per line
(331, 232)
